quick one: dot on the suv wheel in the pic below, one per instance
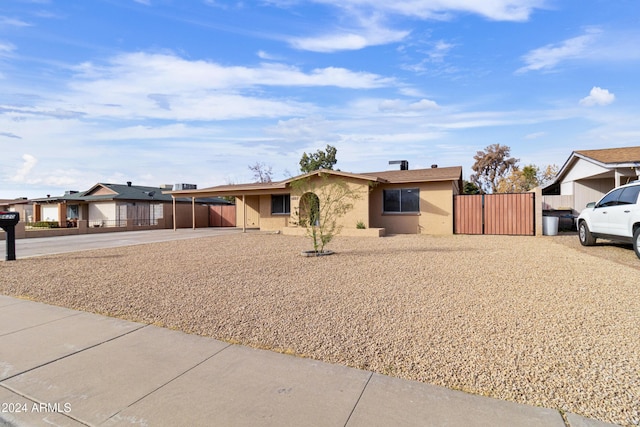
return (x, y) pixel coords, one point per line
(587, 239)
(636, 241)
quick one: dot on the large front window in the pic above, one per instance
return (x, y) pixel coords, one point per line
(401, 200)
(280, 204)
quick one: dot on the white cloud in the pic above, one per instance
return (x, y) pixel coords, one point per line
(598, 96)
(159, 71)
(348, 40)
(369, 28)
(6, 48)
(12, 22)
(535, 135)
(403, 106)
(307, 129)
(22, 174)
(267, 56)
(498, 10)
(549, 56)
(440, 50)
(165, 86)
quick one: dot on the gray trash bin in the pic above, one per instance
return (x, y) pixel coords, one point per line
(550, 225)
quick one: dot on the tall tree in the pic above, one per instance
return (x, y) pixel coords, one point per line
(526, 179)
(261, 172)
(469, 188)
(318, 160)
(548, 174)
(492, 164)
(519, 180)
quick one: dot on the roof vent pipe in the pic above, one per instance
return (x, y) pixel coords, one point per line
(404, 164)
(434, 166)
(128, 183)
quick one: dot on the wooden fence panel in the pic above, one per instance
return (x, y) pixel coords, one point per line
(511, 214)
(222, 216)
(468, 214)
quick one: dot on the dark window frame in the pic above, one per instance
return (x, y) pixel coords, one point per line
(393, 203)
(281, 204)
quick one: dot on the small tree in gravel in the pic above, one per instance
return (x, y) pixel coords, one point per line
(322, 203)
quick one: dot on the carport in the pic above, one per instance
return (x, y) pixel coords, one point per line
(247, 198)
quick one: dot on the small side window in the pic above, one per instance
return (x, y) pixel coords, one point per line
(629, 195)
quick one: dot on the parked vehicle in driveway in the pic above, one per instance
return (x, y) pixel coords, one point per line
(615, 217)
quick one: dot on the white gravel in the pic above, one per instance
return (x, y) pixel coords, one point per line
(536, 320)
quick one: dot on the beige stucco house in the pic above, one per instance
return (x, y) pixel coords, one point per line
(416, 201)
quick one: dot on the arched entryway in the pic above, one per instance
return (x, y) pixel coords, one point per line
(309, 210)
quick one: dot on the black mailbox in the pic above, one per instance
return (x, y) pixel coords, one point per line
(8, 221)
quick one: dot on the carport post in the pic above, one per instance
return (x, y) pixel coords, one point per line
(244, 215)
(173, 199)
(193, 212)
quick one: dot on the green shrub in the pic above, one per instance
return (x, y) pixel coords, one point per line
(360, 225)
(45, 224)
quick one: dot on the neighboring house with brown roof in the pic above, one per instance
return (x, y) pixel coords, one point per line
(587, 175)
(21, 205)
(391, 202)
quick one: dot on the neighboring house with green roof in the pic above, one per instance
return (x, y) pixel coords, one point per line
(587, 175)
(116, 205)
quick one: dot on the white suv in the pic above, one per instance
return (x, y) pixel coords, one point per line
(615, 217)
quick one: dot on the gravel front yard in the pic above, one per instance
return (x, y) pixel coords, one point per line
(536, 320)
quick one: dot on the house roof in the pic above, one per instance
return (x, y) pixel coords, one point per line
(623, 155)
(390, 177)
(609, 158)
(453, 173)
(19, 201)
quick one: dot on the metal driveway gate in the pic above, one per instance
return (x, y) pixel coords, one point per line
(512, 214)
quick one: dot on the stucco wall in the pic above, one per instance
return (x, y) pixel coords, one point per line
(436, 210)
(102, 211)
(269, 221)
(252, 211)
(324, 189)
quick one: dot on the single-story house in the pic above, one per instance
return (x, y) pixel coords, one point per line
(112, 205)
(389, 202)
(21, 205)
(587, 175)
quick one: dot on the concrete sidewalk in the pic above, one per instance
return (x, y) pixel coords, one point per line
(69, 368)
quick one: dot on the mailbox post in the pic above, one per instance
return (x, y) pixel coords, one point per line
(8, 221)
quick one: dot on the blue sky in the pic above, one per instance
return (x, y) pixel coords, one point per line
(168, 91)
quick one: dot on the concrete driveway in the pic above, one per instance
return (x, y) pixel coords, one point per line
(26, 248)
